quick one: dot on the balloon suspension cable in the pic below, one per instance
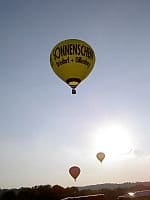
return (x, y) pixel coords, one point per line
(73, 91)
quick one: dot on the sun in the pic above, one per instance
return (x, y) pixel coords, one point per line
(114, 140)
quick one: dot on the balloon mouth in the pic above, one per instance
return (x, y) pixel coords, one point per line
(73, 83)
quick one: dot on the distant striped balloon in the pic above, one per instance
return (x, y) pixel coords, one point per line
(100, 156)
(74, 172)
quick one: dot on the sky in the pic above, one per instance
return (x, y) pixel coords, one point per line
(44, 129)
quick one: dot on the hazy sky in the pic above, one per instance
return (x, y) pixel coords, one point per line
(44, 129)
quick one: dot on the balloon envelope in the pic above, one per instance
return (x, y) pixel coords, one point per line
(74, 172)
(100, 156)
(72, 60)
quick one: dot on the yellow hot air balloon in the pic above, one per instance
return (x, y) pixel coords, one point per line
(72, 60)
(100, 156)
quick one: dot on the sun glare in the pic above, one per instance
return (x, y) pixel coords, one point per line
(113, 139)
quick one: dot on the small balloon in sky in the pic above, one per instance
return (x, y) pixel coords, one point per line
(74, 172)
(72, 61)
(100, 156)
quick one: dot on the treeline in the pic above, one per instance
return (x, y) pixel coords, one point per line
(47, 192)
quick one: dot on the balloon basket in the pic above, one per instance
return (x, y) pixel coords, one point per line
(73, 91)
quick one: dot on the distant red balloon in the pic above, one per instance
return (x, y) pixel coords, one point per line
(74, 172)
